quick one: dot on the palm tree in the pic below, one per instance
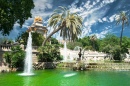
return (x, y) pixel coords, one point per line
(69, 24)
(123, 19)
(93, 39)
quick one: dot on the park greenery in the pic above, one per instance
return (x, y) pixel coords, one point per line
(49, 53)
(14, 11)
(15, 57)
(69, 24)
(5, 40)
(37, 38)
(110, 44)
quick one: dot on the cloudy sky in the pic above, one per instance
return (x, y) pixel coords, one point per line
(98, 15)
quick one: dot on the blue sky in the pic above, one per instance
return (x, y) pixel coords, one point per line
(98, 15)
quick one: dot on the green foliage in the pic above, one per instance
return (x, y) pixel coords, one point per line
(109, 44)
(116, 52)
(107, 49)
(88, 48)
(37, 38)
(72, 45)
(93, 42)
(90, 42)
(84, 41)
(54, 41)
(49, 53)
(6, 41)
(110, 40)
(15, 57)
(12, 11)
(7, 56)
(125, 44)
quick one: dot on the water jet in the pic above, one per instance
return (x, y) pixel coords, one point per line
(28, 69)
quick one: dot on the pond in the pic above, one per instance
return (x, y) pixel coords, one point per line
(66, 77)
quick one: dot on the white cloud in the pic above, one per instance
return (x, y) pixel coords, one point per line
(40, 6)
(86, 31)
(117, 17)
(107, 1)
(92, 13)
(112, 18)
(100, 20)
(98, 1)
(102, 34)
(104, 19)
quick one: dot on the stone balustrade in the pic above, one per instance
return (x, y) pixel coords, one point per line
(34, 48)
(5, 47)
(8, 47)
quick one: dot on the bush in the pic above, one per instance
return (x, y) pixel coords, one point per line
(72, 45)
(15, 57)
(49, 53)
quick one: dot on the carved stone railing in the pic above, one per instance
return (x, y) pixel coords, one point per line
(6, 47)
(34, 48)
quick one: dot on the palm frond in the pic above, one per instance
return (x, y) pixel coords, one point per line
(63, 8)
(70, 23)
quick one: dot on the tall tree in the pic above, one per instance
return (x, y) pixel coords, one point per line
(69, 24)
(36, 41)
(93, 39)
(12, 11)
(123, 19)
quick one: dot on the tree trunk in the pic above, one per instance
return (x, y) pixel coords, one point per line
(54, 31)
(121, 33)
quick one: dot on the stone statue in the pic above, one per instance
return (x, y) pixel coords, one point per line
(80, 54)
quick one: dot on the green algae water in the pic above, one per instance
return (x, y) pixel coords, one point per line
(65, 77)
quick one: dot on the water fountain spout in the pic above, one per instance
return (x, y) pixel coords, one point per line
(28, 70)
(65, 52)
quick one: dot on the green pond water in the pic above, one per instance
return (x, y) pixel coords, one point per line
(65, 77)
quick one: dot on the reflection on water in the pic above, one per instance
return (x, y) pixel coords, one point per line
(27, 81)
(61, 77)
(70, 74)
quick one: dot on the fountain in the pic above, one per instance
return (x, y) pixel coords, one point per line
(28, 59)
(65, 53)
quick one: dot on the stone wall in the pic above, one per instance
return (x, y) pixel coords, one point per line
(95, 66)
(44, 65)
(107, 66)
(7, 47)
